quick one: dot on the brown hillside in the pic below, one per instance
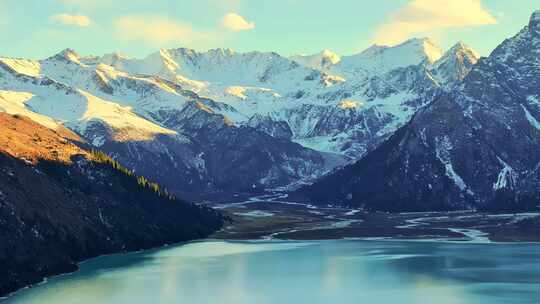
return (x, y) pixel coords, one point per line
(24, 139)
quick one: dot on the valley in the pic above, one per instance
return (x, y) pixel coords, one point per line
(273, 217)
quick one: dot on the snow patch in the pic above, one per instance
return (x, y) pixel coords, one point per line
(255, 213)
(353, 212)
(13, 102)
(350, 104)
(534, 100)
(532, 120)
(507, 177)
(443, 149)
(237, 92)
(474, 235)
(23, 66)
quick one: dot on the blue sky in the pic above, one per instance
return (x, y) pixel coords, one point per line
(40, 28)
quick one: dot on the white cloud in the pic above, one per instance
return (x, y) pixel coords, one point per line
(420, 17)
(237, 23)
(158, 30)
(75, 20)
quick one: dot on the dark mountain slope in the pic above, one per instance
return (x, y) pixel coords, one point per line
(476, 147)
(60, 204)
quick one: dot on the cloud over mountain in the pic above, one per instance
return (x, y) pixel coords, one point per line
(236, 22)
(74, 20)
(419, 17)
(157, 30)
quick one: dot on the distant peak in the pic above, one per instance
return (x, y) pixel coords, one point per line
(460, 45)
(462, 48)
(67, 54)
(534, 22)
(322, 60)
(183, 51)
(323, 53)
(374, 49)
(417, 41)
(327, 52)
(330, 56)
(112, 58)
(425, 45)
(222, 51)
(117, 56)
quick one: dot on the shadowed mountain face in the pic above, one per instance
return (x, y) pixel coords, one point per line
(60, 204)
(474, 147)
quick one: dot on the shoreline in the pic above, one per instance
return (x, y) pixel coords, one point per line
(270, 218)
(46, 279)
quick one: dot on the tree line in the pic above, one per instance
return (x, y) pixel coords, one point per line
(103, 158)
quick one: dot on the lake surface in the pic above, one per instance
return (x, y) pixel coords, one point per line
(303, 272)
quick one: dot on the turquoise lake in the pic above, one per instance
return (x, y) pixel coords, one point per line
(342, 272)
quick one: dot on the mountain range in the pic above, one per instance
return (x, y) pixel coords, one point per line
(207, 124)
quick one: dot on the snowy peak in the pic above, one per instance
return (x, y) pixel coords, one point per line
(112, 58)
(456, 63)
(326, 53)
(67, 55)
(319, 61)
(382, 59)
(221, 52)
(226, 67)
(460, 49)
(423, 47)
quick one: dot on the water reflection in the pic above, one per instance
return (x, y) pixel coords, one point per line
(302, 272)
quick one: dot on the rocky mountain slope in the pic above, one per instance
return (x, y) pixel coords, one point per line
(476, 146)
(61, 204)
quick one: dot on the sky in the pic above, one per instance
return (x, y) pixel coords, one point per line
(40, 28)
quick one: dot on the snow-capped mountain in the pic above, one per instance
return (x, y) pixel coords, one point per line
(154, 126)
(476, 146)
(227, 121)
(383, 59)
(455, 65)
(346, 116)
